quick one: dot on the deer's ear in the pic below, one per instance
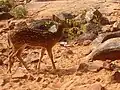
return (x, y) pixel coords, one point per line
(55, 18)
(59, 18)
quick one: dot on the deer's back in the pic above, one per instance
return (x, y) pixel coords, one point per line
(34, 37)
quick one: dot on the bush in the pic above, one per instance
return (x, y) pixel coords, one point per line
(83, 28)
(7, 3)
(4, 2)
(19, 12)
(71, 33)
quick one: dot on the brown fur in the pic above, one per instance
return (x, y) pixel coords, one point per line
(36, 38)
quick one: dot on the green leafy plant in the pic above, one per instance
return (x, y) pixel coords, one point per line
(4, 2)
(7, 3)
(19, 12)
(83, 28)
(71, 33)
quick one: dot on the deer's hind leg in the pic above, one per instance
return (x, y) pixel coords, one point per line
(10, 61)
(41, 56)
(49, 50)
(18, 54)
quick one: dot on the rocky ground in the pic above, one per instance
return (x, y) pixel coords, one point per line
(67, 59)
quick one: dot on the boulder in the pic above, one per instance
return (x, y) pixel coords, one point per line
(110, 49)
(90, 66)
(95, 16)
(103, 37)
(91, 14)
(85, 36)
(92, 27)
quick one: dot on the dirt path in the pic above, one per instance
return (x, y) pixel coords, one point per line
(67, 59)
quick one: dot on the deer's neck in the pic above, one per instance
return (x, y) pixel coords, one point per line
(59, 32)
(60, 28)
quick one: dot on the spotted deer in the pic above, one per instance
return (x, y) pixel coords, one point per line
(36, 37)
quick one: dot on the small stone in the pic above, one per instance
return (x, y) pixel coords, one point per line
(112, 19)
(63, 43)
(69, 51)
(57, 84)
(2, 25)
(11, 25)
(86, 42)
(44, 67)
(19, 74)
(95, 66)
(15, 80)
(104, 21)
(92, 14)
(38, 79)
(116, 76)
(116, 26)
(96, 86)
(31, 77)
(45, 84)
(87, 52)
(35, 61)
(106, 28)
(89, 15)
(83, 67)
(7, 86)
(108, 65)
(1, 62)
(2, 82)
(98, 79)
